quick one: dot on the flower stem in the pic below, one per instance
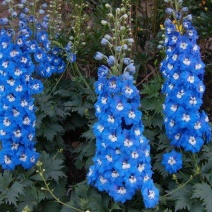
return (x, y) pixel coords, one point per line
(50, 191)
(80, 74)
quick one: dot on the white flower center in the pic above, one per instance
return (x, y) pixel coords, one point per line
(180, 94)
(193, 101)
(113, 85)
(183, 45)
(11, 98)
(170, 67)
(7, 160)
(115, 174)
(128, 143)
(17, 133)
(146, 178)
(171, 123)
(190, 79)
(125, 165)
(122, 190)
(171, 86)
(26, 121)
(171, 161)
(176, 76)
(109, 158)
(14, 146)
(197, 125)
(11, 82)
(112, 138)
(23, 158)
(119, 106)
(128, 90)
(177, 136)
(135, 155)
(141, 167)
(132, 179)
(110, 119)
(100, 128)
(173, 108)
(192, 140)
(137, 132)
(103, 180)
(174, 57)
(131, 115)
(186, 61)
(186, 118)
(151, 194)
(104, 100)
(174, 39)
(19, 88)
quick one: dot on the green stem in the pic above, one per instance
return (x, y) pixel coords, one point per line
(52, 194)
(191, 178)
(55, 86)
(74, 65)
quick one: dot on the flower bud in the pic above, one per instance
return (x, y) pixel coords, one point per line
(118, 10)
(125, 16)
(169, 11)
(99, 56)
(103, 22)
(104, 41)
(107, 6)
(108, 37)
(111, 60)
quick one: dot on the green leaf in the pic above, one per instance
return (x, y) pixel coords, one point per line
(5, 181)
(14, 193)
(183, 198)
(52, 166)
(30, 198)
(203, 191)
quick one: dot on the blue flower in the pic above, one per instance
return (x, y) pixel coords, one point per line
(8, 160)
(4, 21)
(150, 194)
(103, 71)
(172, 161)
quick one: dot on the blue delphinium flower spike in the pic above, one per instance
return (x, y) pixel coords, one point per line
(22, 53)
(186, 125)
(122, 162)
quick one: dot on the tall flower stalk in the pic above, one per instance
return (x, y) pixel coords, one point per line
(122, 159)
(23, 54)
(187, 126)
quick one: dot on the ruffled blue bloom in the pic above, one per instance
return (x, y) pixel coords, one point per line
(172, 161)
(150, 194)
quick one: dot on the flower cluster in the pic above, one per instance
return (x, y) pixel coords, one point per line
(17, 118)
(186, 126)
(122, 162)
(22, 53)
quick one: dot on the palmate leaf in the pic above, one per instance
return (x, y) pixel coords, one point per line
(53, 168)
(50, 130)
(10, 191)
(183, 198)
(29, 198)
(203, 191)
(14, 192)
(5, 180)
